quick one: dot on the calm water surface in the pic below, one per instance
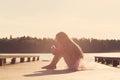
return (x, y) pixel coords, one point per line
(88, 56)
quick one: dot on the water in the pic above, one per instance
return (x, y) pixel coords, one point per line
(48, 56)
(87, 56)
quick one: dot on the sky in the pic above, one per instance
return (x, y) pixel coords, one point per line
(44, 18)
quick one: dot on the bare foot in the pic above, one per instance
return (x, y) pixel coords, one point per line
(49, 67)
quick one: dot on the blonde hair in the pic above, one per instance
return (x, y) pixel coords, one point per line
(69, 44)
(62, 38)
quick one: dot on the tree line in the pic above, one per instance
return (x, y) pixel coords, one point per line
(43, 45)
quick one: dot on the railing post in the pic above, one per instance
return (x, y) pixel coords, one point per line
(115, 63)
(22, 60)
(4, 60)
(28, 60)
(103, 60)
(108, 61)
(1, 62)
(38, 58)
(95, 59)
(99, 59)
(13, 61)
(33, 58)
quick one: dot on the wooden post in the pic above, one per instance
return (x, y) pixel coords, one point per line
(28, 60)
(99, 59)
(22, 60)
(1, 62)
(115, 63)
(13, 61)
(33, 58)
(108, 61)
(4, 60)
(37, 58)
(102, 61)
(95, 59)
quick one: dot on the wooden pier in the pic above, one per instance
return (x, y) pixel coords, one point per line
(33, 71)
(114, 61)
(22, 57)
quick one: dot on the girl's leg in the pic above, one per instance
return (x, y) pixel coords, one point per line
(53, 64)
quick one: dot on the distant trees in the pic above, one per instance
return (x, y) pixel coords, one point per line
(25, 45)
(35, 45)
(95, 45)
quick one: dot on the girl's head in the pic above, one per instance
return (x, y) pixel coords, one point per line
(62, 38)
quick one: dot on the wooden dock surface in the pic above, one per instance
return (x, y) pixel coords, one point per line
(33, 71)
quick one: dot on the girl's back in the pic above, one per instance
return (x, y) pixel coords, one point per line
(72, 55)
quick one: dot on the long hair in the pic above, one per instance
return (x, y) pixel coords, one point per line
(63, 38)
(69, 44)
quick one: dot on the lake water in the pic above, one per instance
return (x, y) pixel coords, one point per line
(87, 56)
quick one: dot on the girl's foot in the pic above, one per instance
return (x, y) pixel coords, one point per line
(49, 67)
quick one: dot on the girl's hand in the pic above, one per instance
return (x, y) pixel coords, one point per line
(53, 47)
(55, 50)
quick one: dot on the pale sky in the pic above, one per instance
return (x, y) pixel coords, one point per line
(44, 18)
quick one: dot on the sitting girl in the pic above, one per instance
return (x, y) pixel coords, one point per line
(67, 49)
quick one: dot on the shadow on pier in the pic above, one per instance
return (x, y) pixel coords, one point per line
(49, 72)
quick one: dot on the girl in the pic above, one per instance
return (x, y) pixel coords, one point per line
(69, 50)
